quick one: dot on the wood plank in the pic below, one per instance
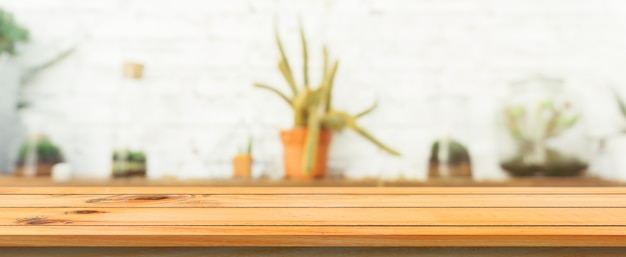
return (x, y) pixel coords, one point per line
(311, 252)
(312, 236)
(315, 216)
(315, 190)
(319, 201)
(312, 216)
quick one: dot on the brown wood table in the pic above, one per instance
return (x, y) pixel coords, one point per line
(406, 218)
(313, 217)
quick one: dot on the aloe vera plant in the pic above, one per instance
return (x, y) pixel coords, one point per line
(312, 107)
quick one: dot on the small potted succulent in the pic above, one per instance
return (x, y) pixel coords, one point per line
(306, 144)
(128, 163)
(449, 158)
(242, 162)
(37, 156)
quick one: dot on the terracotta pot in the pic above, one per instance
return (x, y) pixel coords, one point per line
(242, 166)
(41, 170)
(293, 153)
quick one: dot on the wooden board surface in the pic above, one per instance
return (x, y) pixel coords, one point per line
(195, 216)
(312, 251)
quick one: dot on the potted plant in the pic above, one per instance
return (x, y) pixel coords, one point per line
(534, 132)
(449, 158)
(12, 76)
(37, 156)
(128, 163)
(242, 162)
(11, 34)
(306, 144)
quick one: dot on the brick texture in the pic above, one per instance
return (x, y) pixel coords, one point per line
(196, 106)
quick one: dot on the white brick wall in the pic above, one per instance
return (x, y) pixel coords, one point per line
(201, 57)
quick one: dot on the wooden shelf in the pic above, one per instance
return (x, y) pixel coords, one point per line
(312, 216)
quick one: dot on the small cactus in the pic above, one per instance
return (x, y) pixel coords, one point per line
(129, 163)
(313, 106)
(43, 149)
(37, 156)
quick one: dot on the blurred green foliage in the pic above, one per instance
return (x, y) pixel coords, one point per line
(11, 33)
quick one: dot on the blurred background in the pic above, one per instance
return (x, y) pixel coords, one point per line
(480, 89)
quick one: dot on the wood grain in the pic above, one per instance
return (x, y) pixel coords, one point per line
(316, 190)
(318, 201)
(314, 216)
(170, 216)
(311, 251)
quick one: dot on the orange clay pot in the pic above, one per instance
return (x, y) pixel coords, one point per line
(293, 153)
(242, 164)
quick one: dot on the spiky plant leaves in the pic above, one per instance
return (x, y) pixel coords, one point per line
(312, 139)
(312, 107)
(276, 91)
(300, 108)
(329, 86)
(352, 124)
(305, 58)
(286, 72)
(250, 142)
(283, 64)
(368, 110)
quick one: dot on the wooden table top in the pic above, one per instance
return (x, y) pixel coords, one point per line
(312, 216)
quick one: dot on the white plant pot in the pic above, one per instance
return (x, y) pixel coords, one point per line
(616, 149)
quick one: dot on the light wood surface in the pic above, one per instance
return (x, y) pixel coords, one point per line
(258, 216)
(312, 251)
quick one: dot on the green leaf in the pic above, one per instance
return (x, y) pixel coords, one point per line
(305, 57)
(330, 79)
(276, 91)
(312, 139)
(368, 110)
(283, 65)
(11, 33)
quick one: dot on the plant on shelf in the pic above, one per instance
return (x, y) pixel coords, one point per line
(451, 160)
(242, 162)
(306, 145)
(531, 130)
(11, 33)
(128, 163)
(37, 156)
